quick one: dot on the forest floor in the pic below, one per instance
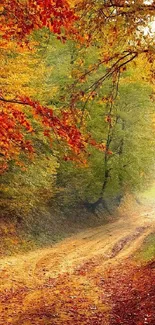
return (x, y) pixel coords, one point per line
(94, 277)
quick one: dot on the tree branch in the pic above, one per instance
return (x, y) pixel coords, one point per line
(13, 101)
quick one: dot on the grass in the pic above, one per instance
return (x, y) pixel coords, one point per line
(147, 251)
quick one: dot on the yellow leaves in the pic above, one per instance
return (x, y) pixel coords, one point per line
(153, 121)
(72, 3)
(7, 229)
(54, 90)
(4, 229)
(142, 68)
(105, 100)
(22, 73)
(80, 62)
(76, 73)
(100, 102)
(1, 8)
(84, 98)
(50, 26)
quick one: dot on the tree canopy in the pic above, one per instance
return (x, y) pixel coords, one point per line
(73, 74)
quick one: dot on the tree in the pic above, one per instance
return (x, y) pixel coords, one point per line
(121, 30)
(126, 127)
(20, 18)
(16, 127)
(104, 37)
(116, 29)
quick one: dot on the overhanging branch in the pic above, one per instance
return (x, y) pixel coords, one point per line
(13, 101)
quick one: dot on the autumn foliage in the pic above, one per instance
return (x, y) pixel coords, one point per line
(13, 121)
(20, 18)
(120, 295)
(99, 104)
(18, 21)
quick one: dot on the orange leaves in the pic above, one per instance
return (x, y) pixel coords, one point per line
(63, 127)
(91, 294)
(108, 119)
(21, 119)
(131, 291)
(19, 19)
(13, 123)
(15, 127)
(99, 146)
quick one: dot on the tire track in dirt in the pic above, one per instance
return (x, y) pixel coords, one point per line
(104, 241)
(31, 281)
(128, 240)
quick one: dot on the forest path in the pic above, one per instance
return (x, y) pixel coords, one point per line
(33, 284)
(111, 242)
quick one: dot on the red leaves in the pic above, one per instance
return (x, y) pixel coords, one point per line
(15, 126)
(19, 19)
(131, 291)
(21, 119)
(94, 293)
(99, 146)
(63, 128)
(13, 123)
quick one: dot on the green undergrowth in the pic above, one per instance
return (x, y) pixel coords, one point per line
(147, 251)
(44, 228)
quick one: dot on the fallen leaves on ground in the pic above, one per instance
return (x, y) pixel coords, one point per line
(120, 294)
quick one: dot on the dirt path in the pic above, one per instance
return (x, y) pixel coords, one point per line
(112, 241)
(24, 276)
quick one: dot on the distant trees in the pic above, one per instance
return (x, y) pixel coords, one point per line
(129, 135)
(116, 30)
(18, 20)
(87, 98)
